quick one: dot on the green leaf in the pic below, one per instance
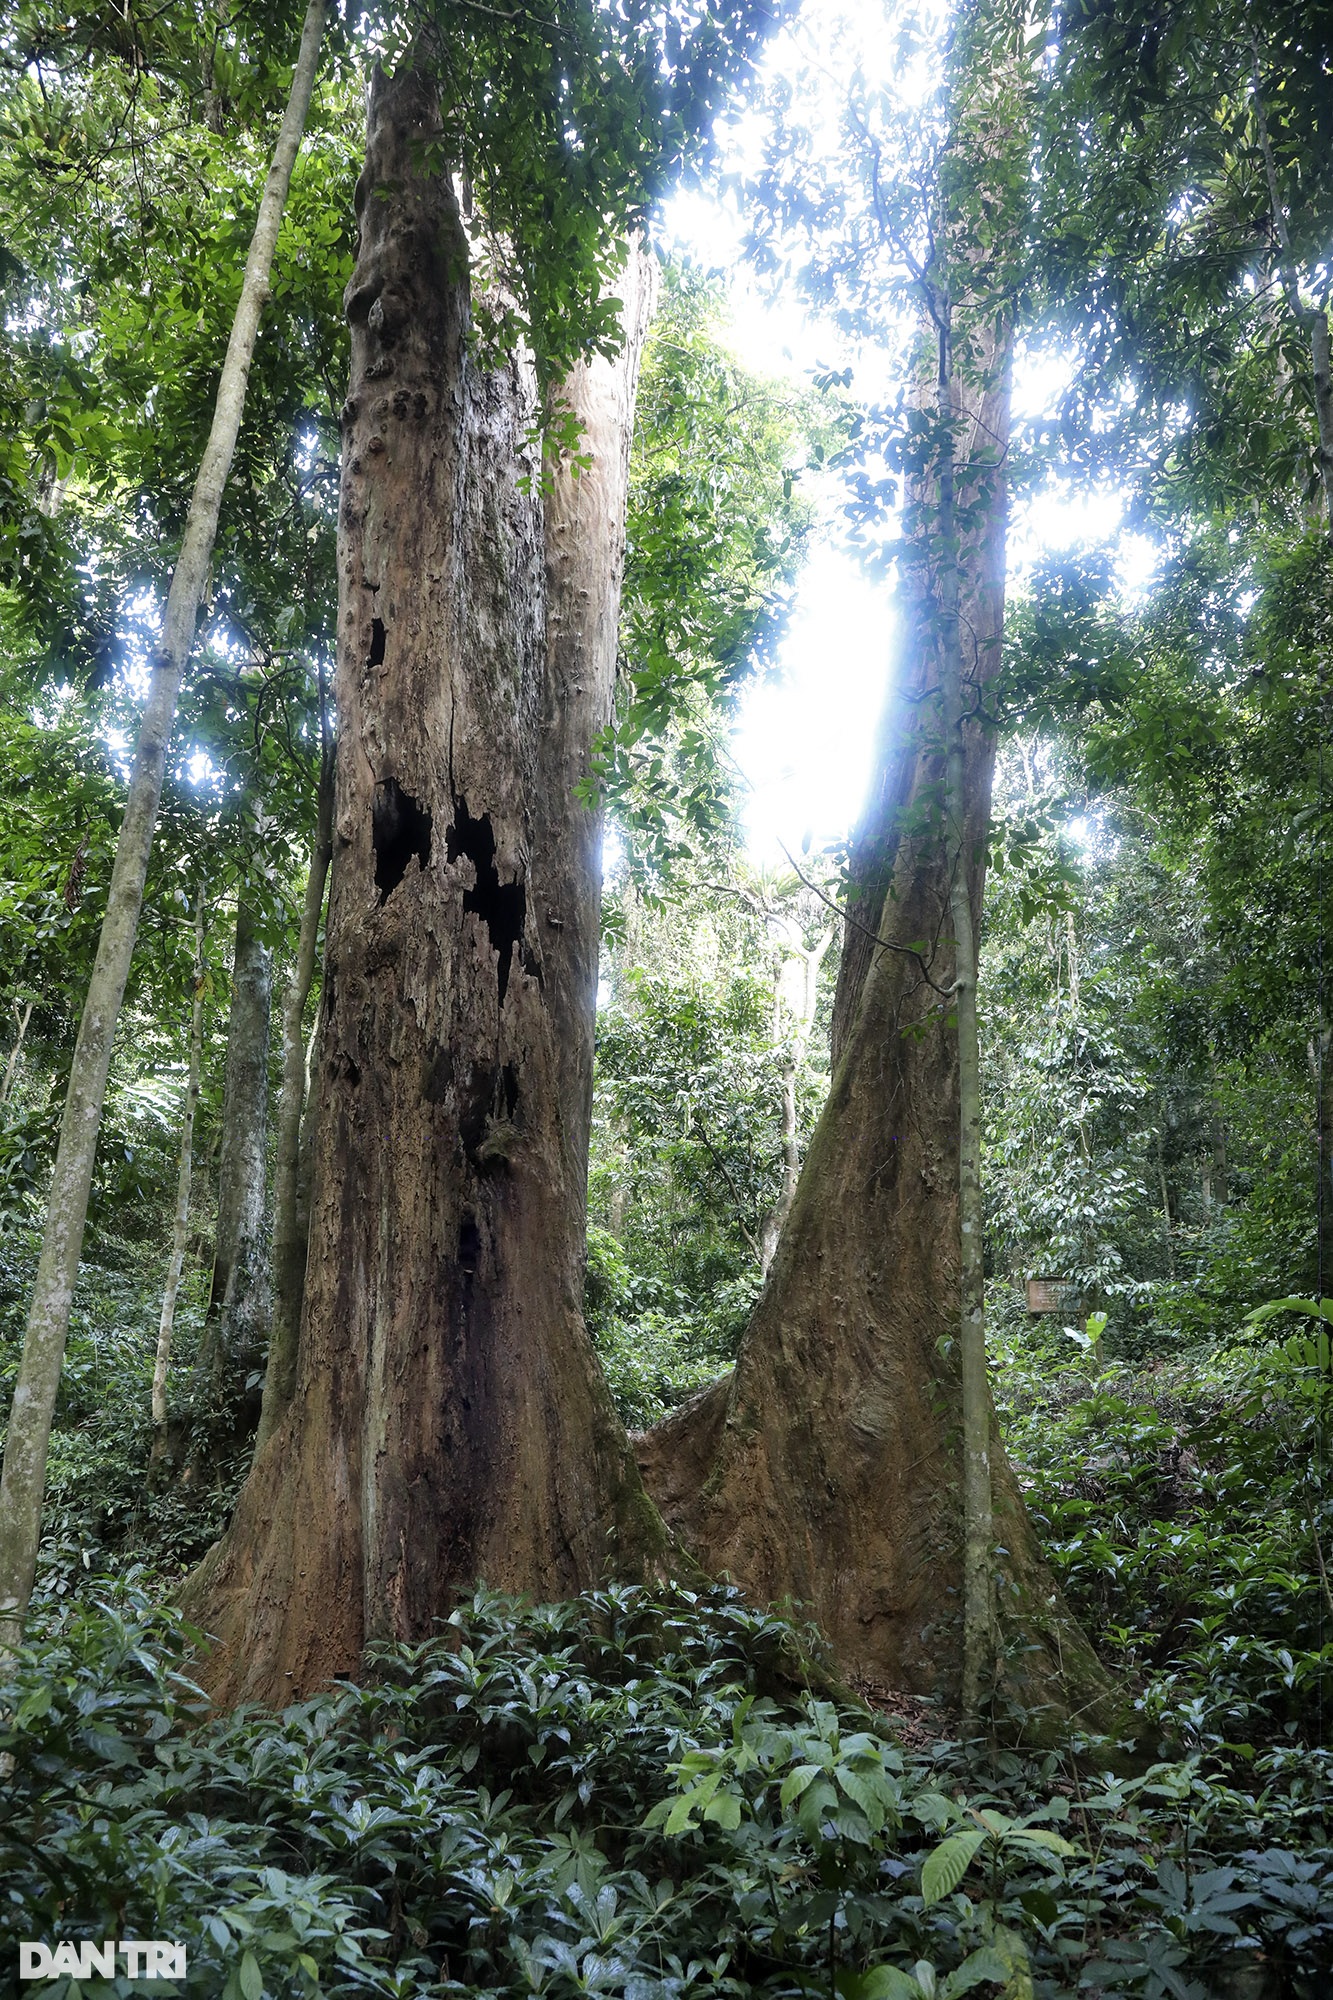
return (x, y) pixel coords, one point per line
(947, 1865)
(1040, 1836)
(1314, 1308)
(882, 1982)
(796, 1781)
(33, 1706)
(252, 1979)
(985, 1964)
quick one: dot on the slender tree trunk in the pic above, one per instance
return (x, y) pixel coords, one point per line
(450, 1421)
(1168, 1241)
(1321, 354)
(290, 1226)
(1322, 1057)
(826, 1467)
(24, 1476)
(181, 1219)
(237, 1322)
(16, 1053)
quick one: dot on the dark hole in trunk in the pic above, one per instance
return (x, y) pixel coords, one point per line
(376, 643)
(501, 906)
(400, 829)
(469, 1243)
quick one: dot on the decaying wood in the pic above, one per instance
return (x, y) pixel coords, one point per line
(450, 1422)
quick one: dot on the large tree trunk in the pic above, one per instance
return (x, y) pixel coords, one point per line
(450, 1421)
(827, 1467)
(236, 1326)
(23, 1481)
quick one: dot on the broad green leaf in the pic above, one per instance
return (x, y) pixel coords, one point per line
(986, 1964)
(796, 1781)
(947, 1865)
(881, 1982)
(1314, 1308)
(1040, 1836)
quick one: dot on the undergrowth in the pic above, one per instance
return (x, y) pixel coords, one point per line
(636, 1794)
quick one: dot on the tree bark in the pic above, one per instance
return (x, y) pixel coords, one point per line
(237, 1321)
(291, 1222)
(960, 699)
(1322, 1053)
(24, 1477)
(450, 1421)
(798, 1041)
(23, 1017)
(826, 1467)
(180, 1226)
(1168, 1241)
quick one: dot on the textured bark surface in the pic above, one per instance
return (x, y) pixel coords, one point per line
(180, 1221)
(827, 1466)
(450, 1421)
(236, 1326)
(291, 1213)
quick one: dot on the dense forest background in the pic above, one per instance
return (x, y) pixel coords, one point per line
(665, 1788)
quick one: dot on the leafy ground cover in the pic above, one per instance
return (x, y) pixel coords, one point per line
(641, 1794)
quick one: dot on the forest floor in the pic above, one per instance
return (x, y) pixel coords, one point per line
(648, 1794)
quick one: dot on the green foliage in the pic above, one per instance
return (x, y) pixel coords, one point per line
(1182, 1509)
(697, 1047)
(1148, 1115)
(717, 526)
(1158, 250)
(570, 119)
(630, 1794)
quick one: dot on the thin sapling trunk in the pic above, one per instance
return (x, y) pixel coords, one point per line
(15, 1054)
(290, 1217)
(238, 1308)
(181, 1218)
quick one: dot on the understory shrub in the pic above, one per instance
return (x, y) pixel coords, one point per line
(637, 1794)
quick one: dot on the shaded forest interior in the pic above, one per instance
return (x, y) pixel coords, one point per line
(598, 1404)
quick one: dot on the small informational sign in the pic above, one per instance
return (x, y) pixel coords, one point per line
(1052, 1295)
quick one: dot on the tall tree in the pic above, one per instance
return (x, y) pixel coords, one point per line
(180, 1221)
(848, 1461)
(450, 1420)
(23, 1479)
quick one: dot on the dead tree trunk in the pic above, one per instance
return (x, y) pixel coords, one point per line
(450, 1421)
(236, 1327)
(827, 1467)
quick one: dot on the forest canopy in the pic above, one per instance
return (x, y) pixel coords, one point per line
(599, 1399)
